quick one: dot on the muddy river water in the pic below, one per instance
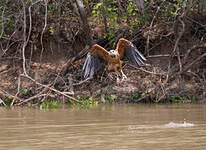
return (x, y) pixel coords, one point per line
(105, 127)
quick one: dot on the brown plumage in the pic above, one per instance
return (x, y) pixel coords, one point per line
(97, 53)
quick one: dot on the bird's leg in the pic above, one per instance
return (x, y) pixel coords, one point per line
(115, 69)
(110, 67)
(123, 75)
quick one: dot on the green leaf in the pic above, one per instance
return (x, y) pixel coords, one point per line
(51, 31)
(103, 98)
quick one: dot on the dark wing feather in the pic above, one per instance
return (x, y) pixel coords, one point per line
(134, 55)
(93, 60)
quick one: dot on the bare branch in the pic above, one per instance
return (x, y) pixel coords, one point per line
(24, 37)
(2, 18)
(83, 17)
(45, 24)
(151, 24)
(140, 4)
(9, 95)
(103, 13)
(180, 36)
(192, 63)
(50, 88)
(191, 49)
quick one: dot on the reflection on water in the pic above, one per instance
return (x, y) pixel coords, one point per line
(115, 127)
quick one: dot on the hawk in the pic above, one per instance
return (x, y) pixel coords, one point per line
(124, 48)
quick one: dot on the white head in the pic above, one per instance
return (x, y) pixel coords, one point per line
(112, 53)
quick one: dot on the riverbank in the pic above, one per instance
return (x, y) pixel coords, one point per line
(146, 84)
(42, 53)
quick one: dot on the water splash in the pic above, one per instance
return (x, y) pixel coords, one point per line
(169, 125)
(175, 125)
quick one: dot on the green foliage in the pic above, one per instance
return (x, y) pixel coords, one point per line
(173, 9)
(30, 2)
(111, 98)
(88, 101)
(190, 99)
(175, 99)
(184, 99)
(51, 31)
(102, 98)
(115, 11)
(132, 10)
(134, 96)
(50, 104)
(71, 102)
(96, 10)
(193, 98)
(110, 89)
(53, 8)
(25, 91)
(7, 102)
(8, 25)
(107, 98)
(111, 36)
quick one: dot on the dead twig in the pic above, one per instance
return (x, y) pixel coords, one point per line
(191, 49)
(164, 55)
(2, 20)
(81, 82)
(50, 88)
(71, 61)
(150, 27)
(18, 90)
(2, 102)
(154, 73)
(180, 36)
(31, 98)
(3, 92)
(169, 73)
(192, 63)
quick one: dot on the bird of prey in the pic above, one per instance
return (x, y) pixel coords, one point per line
(124, 48)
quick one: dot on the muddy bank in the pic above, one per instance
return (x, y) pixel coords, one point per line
(41, 59)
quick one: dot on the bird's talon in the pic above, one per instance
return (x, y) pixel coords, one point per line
(118, 81)
(124, 77)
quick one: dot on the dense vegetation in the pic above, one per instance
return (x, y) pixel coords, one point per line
(43, 44)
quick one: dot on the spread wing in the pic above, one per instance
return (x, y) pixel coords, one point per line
(128, 49)
(93, 60)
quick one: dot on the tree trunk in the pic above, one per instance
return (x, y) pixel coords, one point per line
(104, 16)
(140, 4)
(85, 24)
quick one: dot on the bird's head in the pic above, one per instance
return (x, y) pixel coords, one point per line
(113, 53)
